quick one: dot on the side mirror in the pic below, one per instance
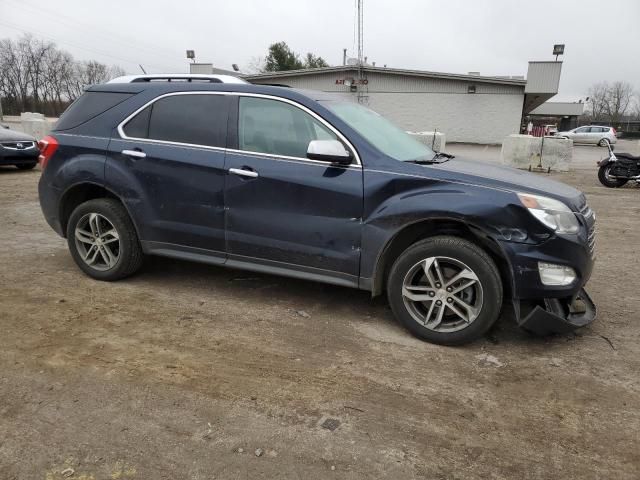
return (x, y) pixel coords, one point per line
(329, 151)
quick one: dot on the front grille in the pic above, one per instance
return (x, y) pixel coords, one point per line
(18, 145)
(590, 221)
(591, 238)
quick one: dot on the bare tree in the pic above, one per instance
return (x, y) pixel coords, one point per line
(619, 96)
(611, 102)
(597, 102)
(36, 75)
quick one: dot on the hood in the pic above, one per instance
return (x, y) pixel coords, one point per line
(14, 136)
(507, 178)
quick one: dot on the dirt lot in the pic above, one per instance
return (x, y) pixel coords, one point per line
(185, 370)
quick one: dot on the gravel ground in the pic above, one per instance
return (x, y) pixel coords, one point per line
(189, 371)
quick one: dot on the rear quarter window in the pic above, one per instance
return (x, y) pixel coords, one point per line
(88, 106)
(194, 119)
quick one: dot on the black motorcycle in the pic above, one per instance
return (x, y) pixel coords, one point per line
(616, 170)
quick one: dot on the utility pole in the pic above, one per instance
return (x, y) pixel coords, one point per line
(360, 83)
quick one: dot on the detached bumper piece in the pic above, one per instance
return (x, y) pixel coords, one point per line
(558, 315)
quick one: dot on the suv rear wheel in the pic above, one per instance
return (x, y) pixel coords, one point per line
(445, 290)
(103, 241)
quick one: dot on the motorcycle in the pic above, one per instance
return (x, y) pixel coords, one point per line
(617, 170)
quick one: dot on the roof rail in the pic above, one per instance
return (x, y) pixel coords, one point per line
(177, 77)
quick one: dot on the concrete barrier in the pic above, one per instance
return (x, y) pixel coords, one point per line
(525, 151)
(435, 140)
(35, 124)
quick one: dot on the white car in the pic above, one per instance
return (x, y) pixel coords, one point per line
(591, 134)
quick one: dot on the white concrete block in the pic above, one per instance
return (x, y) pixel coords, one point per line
(557, 154)
(35, 124)
(434, 140)
(524, 151)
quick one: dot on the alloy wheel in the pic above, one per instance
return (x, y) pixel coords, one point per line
(97, 241)
(442, 294)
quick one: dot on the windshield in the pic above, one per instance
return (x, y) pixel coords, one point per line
(380, 132)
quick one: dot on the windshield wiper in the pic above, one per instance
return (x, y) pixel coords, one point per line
(439, 157)
(444, 156)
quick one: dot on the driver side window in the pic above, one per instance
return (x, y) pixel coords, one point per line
(277, 128)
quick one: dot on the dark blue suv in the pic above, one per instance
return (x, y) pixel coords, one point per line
(312, 186)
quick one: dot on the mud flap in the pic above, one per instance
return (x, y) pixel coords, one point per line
(558, 315)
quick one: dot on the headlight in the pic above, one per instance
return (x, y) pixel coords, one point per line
(552, 213)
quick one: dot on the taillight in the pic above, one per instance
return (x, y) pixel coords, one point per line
(48, 145)
(615, 133)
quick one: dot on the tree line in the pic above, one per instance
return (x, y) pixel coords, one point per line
(614, 102)
(37, 76)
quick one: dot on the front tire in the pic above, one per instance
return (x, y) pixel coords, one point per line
(445, 290)
(26, 166)
(607, 180)
(103, 241)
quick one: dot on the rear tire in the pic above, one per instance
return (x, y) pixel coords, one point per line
(26, 166)
(607, 181)
(103, 241)
(603, 143)
(437, 262)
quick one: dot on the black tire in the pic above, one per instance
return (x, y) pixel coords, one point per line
(610, 182)
(603, 143)
(130, 256)
(467, 253)
(26, 166)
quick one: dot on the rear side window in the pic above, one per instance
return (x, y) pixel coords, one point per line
(88, 106)
(193, 119)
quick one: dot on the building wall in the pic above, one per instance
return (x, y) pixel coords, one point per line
(425, 104)
(472, 118)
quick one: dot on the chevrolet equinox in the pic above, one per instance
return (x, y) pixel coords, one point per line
(317, 187)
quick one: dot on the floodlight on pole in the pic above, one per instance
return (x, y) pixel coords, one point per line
(558, 49)
(191, 55)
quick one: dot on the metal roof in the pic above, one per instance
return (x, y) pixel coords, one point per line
(390, 71)
(559, 109)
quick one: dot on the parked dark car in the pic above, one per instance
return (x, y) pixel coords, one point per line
(19, 149)
(303, 184)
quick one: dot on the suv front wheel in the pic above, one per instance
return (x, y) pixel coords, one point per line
(103, 241)
(445, 290)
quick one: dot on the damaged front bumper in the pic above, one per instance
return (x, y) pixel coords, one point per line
(555, 315)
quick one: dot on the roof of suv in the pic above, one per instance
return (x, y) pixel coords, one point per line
(177, 77)
(168, 87)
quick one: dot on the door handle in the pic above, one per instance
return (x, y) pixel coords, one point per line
(134, 153)
(244, 173)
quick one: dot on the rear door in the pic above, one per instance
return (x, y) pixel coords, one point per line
(581, 135)
(284, 210)
(167, 161)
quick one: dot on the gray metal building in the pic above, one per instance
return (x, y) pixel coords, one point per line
(466, 108)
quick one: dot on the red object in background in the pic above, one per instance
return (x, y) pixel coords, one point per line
(48, 145)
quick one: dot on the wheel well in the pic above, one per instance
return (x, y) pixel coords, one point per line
(429, 228)
(77, 195)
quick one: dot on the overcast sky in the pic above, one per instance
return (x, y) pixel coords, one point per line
(493, 37)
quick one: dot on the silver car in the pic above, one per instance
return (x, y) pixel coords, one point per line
(591, 134)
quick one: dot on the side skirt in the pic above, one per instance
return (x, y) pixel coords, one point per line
(252, 264)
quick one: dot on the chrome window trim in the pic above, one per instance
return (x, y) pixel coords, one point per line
(357, 164)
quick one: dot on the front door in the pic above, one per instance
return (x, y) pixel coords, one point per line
(285, 211)
(169, 166)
